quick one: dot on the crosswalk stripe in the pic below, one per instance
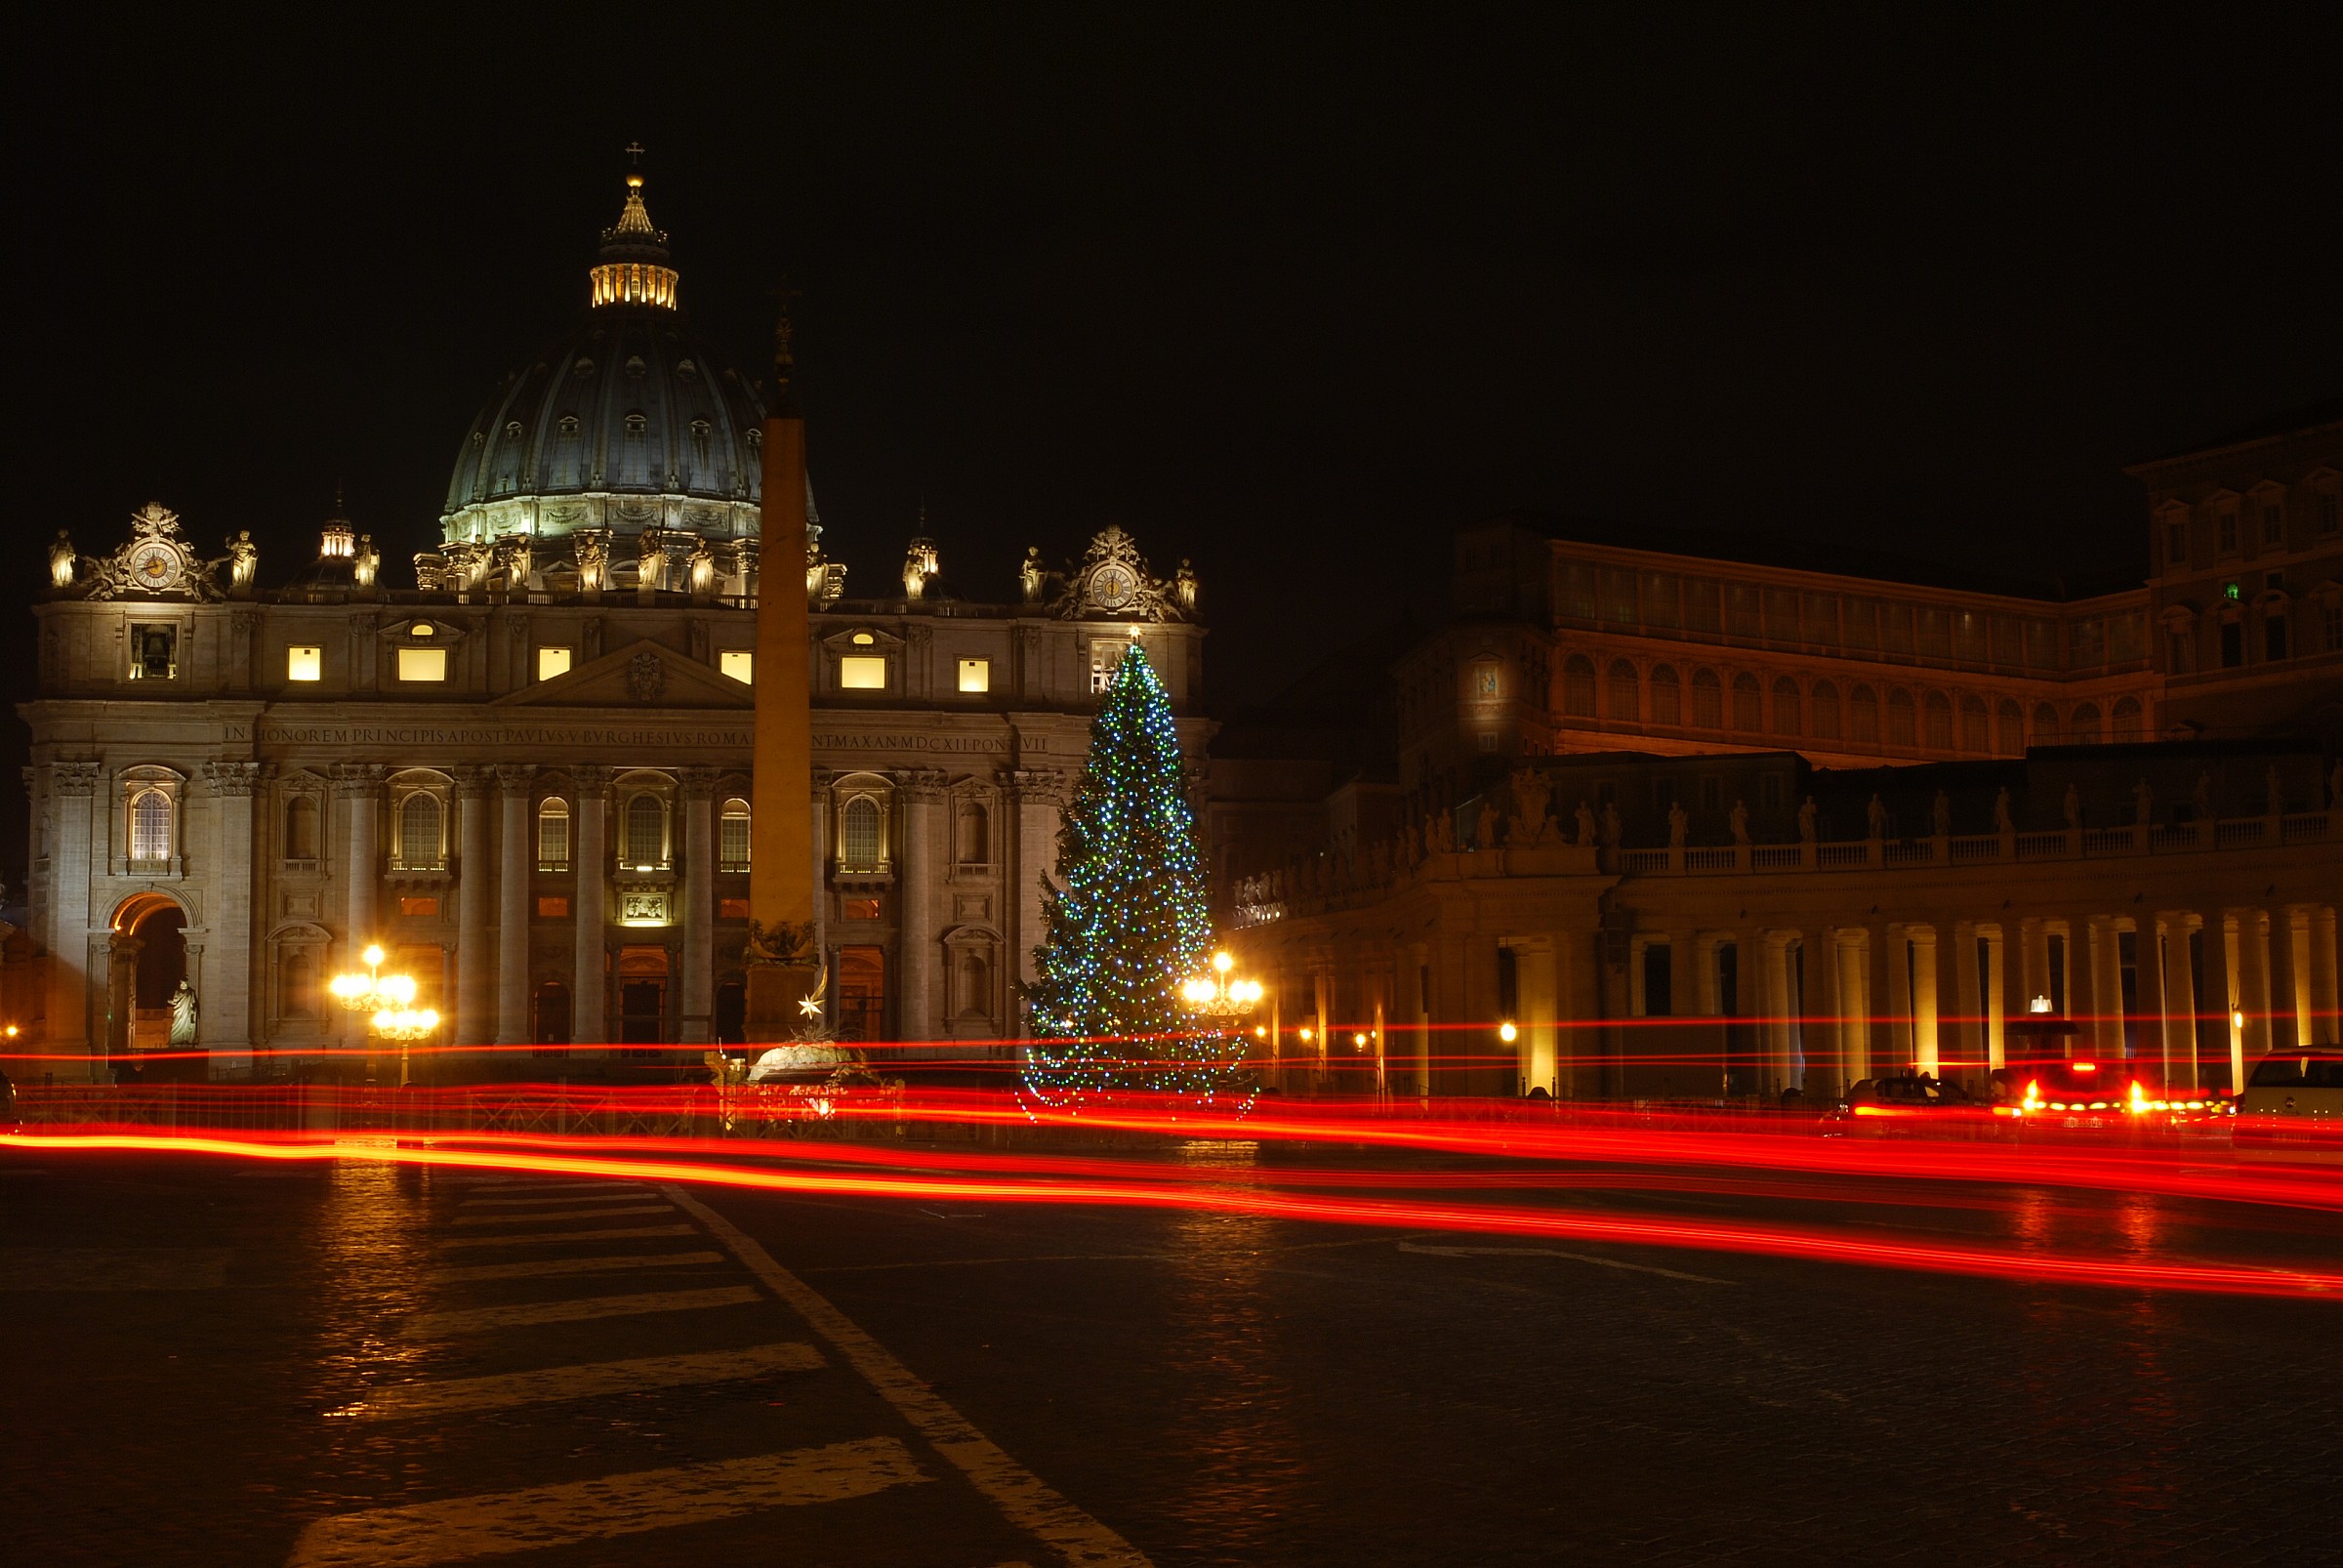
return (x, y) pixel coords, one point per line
(546, 1267)
(540, 1203)
(1023, 1498)
(449, 1395)
(471, 1320)
(540, 1517)
(566, 1214)
(543, 1238)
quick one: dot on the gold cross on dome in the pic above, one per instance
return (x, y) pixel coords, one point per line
(635, 154)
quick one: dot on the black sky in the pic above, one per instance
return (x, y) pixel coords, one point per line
(1290, 290)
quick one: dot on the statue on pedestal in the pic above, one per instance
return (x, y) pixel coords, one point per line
(182, 1016)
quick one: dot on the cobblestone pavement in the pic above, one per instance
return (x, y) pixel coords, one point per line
(347, 1363)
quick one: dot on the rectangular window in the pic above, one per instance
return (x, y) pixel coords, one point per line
(428, 908)
(2181, 657)
(733, 842)
(975, 674)
(305, 664)
(553, 842)
(2334, 625)
(2176, 544)
(860, 908)
(2330, 512)
(154, 653)
(552, 662)
(2233, 645)
(422, 664)
(1896, 636)
(862, 672)
(2273, 521)
(2227, 530)
(1659, 981)
(2274, 636)
(738, 663)
(731, 909)
(553, 906)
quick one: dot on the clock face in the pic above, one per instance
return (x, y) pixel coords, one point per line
(1113, 587)
(154, 567)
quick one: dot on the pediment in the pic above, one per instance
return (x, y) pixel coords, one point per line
(640, 674)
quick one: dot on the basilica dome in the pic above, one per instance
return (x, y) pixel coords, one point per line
(628, 423)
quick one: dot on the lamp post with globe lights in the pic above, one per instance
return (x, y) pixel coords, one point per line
(391, 999)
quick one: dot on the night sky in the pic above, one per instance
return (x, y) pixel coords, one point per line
(1292, 294)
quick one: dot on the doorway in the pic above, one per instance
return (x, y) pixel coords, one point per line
(550, 1036)
(641, 998)
(861, 993)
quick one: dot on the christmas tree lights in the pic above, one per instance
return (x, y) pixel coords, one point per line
(1127, 918)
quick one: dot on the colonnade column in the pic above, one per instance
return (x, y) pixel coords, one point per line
(1035, 793)
(1537, 994)
(1896, 954)
(1991, 991)
(513, 886)
(2107, 985)
(699, 905)
(1969, 993)
(359, 787)
(2173, 930)
(2253, 990)
(2298, 970)
(2034, 978)
(1852, 949)
(2149, 968)
(2329, 1028)
(224, 1021)
(923, 794)
(590, 988)
(1924, 1051)
(73, 943)
(475, 974)
(1775, 966)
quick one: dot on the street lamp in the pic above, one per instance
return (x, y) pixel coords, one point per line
(391, 999)
(1215, 995)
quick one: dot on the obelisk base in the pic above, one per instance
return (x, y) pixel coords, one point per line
(774, 991)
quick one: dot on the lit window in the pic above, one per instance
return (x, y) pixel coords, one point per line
(423, 629)
(738, 663)
(731, 909)
(861, 908)
(552, 836)
(305, 664)
(552, 662)
(646, 831)
(553, 906)
(732, 836)
(862, 672)
(425, 907)
(864, 640)
(975, 674)
(422, 664)
(858, 834)
(150, 826)
(419, 818)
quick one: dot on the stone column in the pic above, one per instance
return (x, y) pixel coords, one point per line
(589, 985)
(2254, 989)
(2147, 950)
(2219, 992)
(224, 1020)
(1535, 985)
(923, 791)
(2298, 970)
(1991, 990)
(1779, 1069)
(359, 787)
(1968, 991)
(699, 905)
(2034, 978)
(73, 930)
(476, 964)
(2323, 970)
(1924, 1050)
(1903, 1046)
(515, 884)
(1036, 793)
(1853, 945)
(2173, 928)
(2107, 986)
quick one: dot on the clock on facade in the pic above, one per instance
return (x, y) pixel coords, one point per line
(1113, 587)
(154, 567)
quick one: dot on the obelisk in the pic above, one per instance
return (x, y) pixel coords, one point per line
(783, 966)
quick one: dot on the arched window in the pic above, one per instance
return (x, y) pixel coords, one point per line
(553, 834)
(1863, 716)
(150, 826)
(733, 836)
(973, 828)
(1749, 703)
(301, 828)
(645, 831)
(858, 835)
(1900, 729)
(1973, 724)
(1577, 687)
(2086, 725)
(1825, 711)
(1625, 700)
(1787, 719)
(2009, 728)
(1667, 697)
(1940, 722)
(419, 837)
(296, 987)
(2125, 719)
(1707, 700)
(2046, 731)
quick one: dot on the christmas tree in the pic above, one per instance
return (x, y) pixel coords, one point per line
(1125, 916)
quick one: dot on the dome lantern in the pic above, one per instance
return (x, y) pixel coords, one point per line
(633, 267)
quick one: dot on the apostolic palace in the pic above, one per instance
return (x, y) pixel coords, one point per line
(1645, 814)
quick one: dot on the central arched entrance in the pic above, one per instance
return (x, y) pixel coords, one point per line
(146, 959)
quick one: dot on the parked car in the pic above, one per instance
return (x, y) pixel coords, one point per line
(2087, 1096)
(1909, 1104)
(2293, 1100)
